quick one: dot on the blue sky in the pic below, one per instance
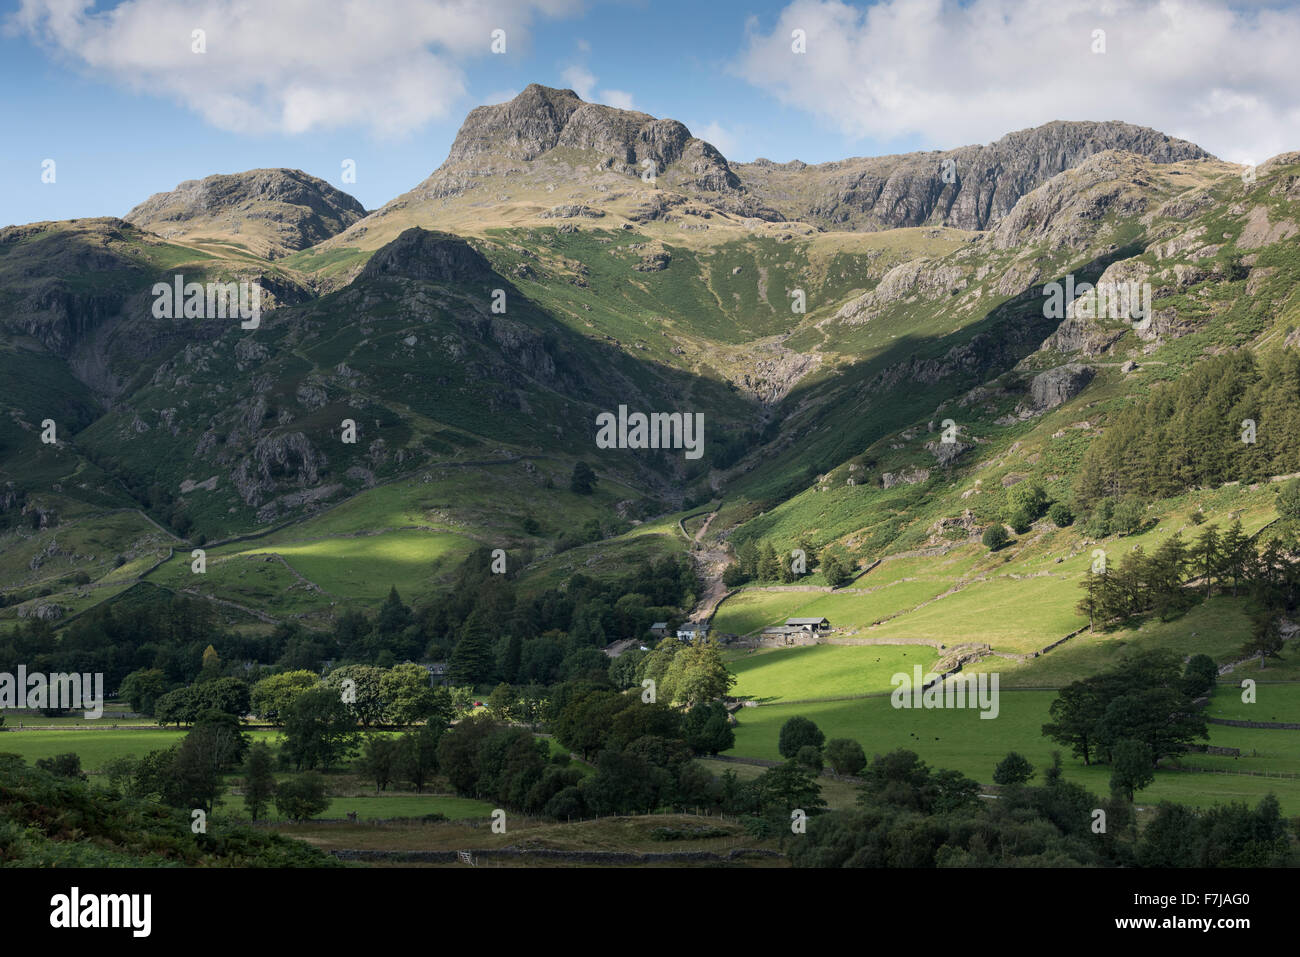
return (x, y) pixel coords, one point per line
(111, 93)
(114, 147)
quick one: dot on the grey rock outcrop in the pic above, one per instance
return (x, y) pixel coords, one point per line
(924, 279)
(569, 211)
(289, 459)
(1065, 211)
(1049, 389)
(655, 261)
(1085, 336)
(908, 476)
(972, 187)
(41, 612)
(945, 453)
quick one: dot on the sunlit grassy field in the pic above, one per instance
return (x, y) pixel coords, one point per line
(1278, 703)
(1016, 615)
(366, 566)
(822, 671)
(1214, 628)
(99, 746)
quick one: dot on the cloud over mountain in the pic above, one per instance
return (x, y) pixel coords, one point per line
(951, 72)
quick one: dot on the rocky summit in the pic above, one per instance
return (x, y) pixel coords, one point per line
(971, 187)
(526, 157)
(270, 211)
(540, 120)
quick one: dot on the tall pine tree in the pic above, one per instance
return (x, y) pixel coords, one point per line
(472, 661)
(1206, 555)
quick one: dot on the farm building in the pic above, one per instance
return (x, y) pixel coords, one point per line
(693, 630)
(797, 631)
(818, 626)
(781, 635)
(659, 629)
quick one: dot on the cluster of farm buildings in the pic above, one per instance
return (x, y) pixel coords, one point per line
(794, 628)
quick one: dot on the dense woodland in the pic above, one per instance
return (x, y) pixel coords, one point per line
(540, 655)
(1194, 432)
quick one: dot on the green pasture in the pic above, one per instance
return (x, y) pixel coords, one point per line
(751, 609)
(262, 582)
(99, 746)
(961, 740)
(1215, 628)
(1016, 615)
(610, 557)
(1278, 703)
(859, 609)
(822, 671)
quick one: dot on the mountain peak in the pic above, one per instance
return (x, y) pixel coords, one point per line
(541, 119)
(522, 128)
(271, 211)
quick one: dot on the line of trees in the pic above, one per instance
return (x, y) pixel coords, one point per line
(400, 695)
(1176, 576)
(642, 755)
(643, 761)
(759, 561)
(115, 827)
(910, 815)
(489, 634)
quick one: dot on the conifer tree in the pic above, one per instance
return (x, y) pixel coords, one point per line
(1206, 556)
(1232, 548)
(472, 661)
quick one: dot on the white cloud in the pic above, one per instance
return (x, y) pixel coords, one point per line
(619, 98)
(581, 80)
(726, 141)
(955, 73)
(292, 65)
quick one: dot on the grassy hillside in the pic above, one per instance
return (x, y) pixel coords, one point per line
(961, 740)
